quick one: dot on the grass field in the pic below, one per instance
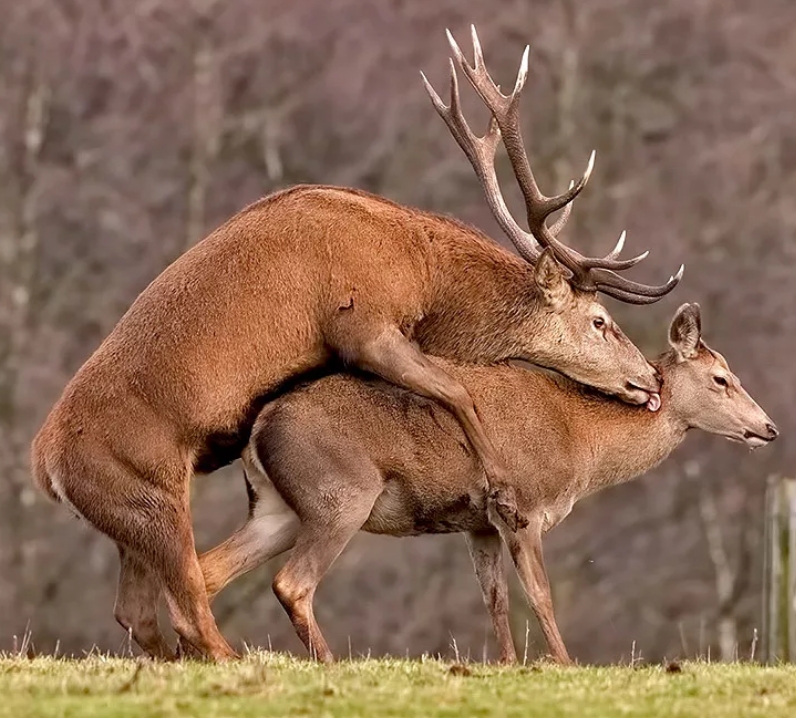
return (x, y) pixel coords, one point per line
(266, 684)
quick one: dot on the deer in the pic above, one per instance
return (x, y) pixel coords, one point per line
(305, 282)
(345, 454)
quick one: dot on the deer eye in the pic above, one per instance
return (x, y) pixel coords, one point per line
(721, 381)
(598, 322)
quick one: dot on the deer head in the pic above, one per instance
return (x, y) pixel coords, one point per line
(590, 348)
(704, 393)
(585, 343)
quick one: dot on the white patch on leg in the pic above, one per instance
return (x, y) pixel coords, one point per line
(273, 527)
(273, 520)
(254, 467)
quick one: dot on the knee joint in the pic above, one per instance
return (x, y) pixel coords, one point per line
(287, 590)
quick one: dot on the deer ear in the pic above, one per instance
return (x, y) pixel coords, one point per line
(685, 331)
(550, 280)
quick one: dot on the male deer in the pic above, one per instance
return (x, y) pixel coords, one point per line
(344, 454)
(291, 285)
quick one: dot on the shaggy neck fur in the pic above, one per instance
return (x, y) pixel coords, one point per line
(481, 295)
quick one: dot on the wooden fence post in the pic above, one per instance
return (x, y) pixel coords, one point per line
(779, 566)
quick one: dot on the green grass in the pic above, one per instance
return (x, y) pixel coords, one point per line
(266, 684)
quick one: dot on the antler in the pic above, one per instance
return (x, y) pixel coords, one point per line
(588, 273)
(481, 153)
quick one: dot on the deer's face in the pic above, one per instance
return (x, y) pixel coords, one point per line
(582, 341)
(705, 393)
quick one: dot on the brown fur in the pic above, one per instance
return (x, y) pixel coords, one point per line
(287, 286)
(345, 454)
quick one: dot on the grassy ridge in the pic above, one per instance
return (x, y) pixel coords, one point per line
(266, 684)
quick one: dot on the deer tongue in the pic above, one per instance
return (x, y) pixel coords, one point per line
(654, 402)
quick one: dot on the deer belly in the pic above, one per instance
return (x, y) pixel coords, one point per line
(399, 511)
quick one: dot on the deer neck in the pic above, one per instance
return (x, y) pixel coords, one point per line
(621, 442)
(483, 302)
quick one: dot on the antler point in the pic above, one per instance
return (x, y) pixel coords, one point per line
(589, 168)
(620, 243)
(454, 46)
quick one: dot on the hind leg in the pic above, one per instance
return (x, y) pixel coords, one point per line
(175, 566)
(270, 530)
(168, 548)
(317, 547)
(186, 597)
(332, 488)
(136, 607)
(153, 521)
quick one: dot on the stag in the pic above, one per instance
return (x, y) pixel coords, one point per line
(345, 454)
(295, 284)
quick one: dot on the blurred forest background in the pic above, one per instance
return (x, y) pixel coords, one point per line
(128, 130)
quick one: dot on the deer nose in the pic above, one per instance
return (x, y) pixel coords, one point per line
(772, 430)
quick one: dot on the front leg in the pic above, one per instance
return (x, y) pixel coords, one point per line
(486, 551)
(525, 547)
(389, 354)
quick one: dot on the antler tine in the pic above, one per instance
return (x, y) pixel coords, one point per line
(629, 297)
(590, 263)
(504, 108)
(596, 273)
(557, 227)
(610, 283)
(620, 245)
(480, 151)
(611, 260)
(635, 298)
(588, 273)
